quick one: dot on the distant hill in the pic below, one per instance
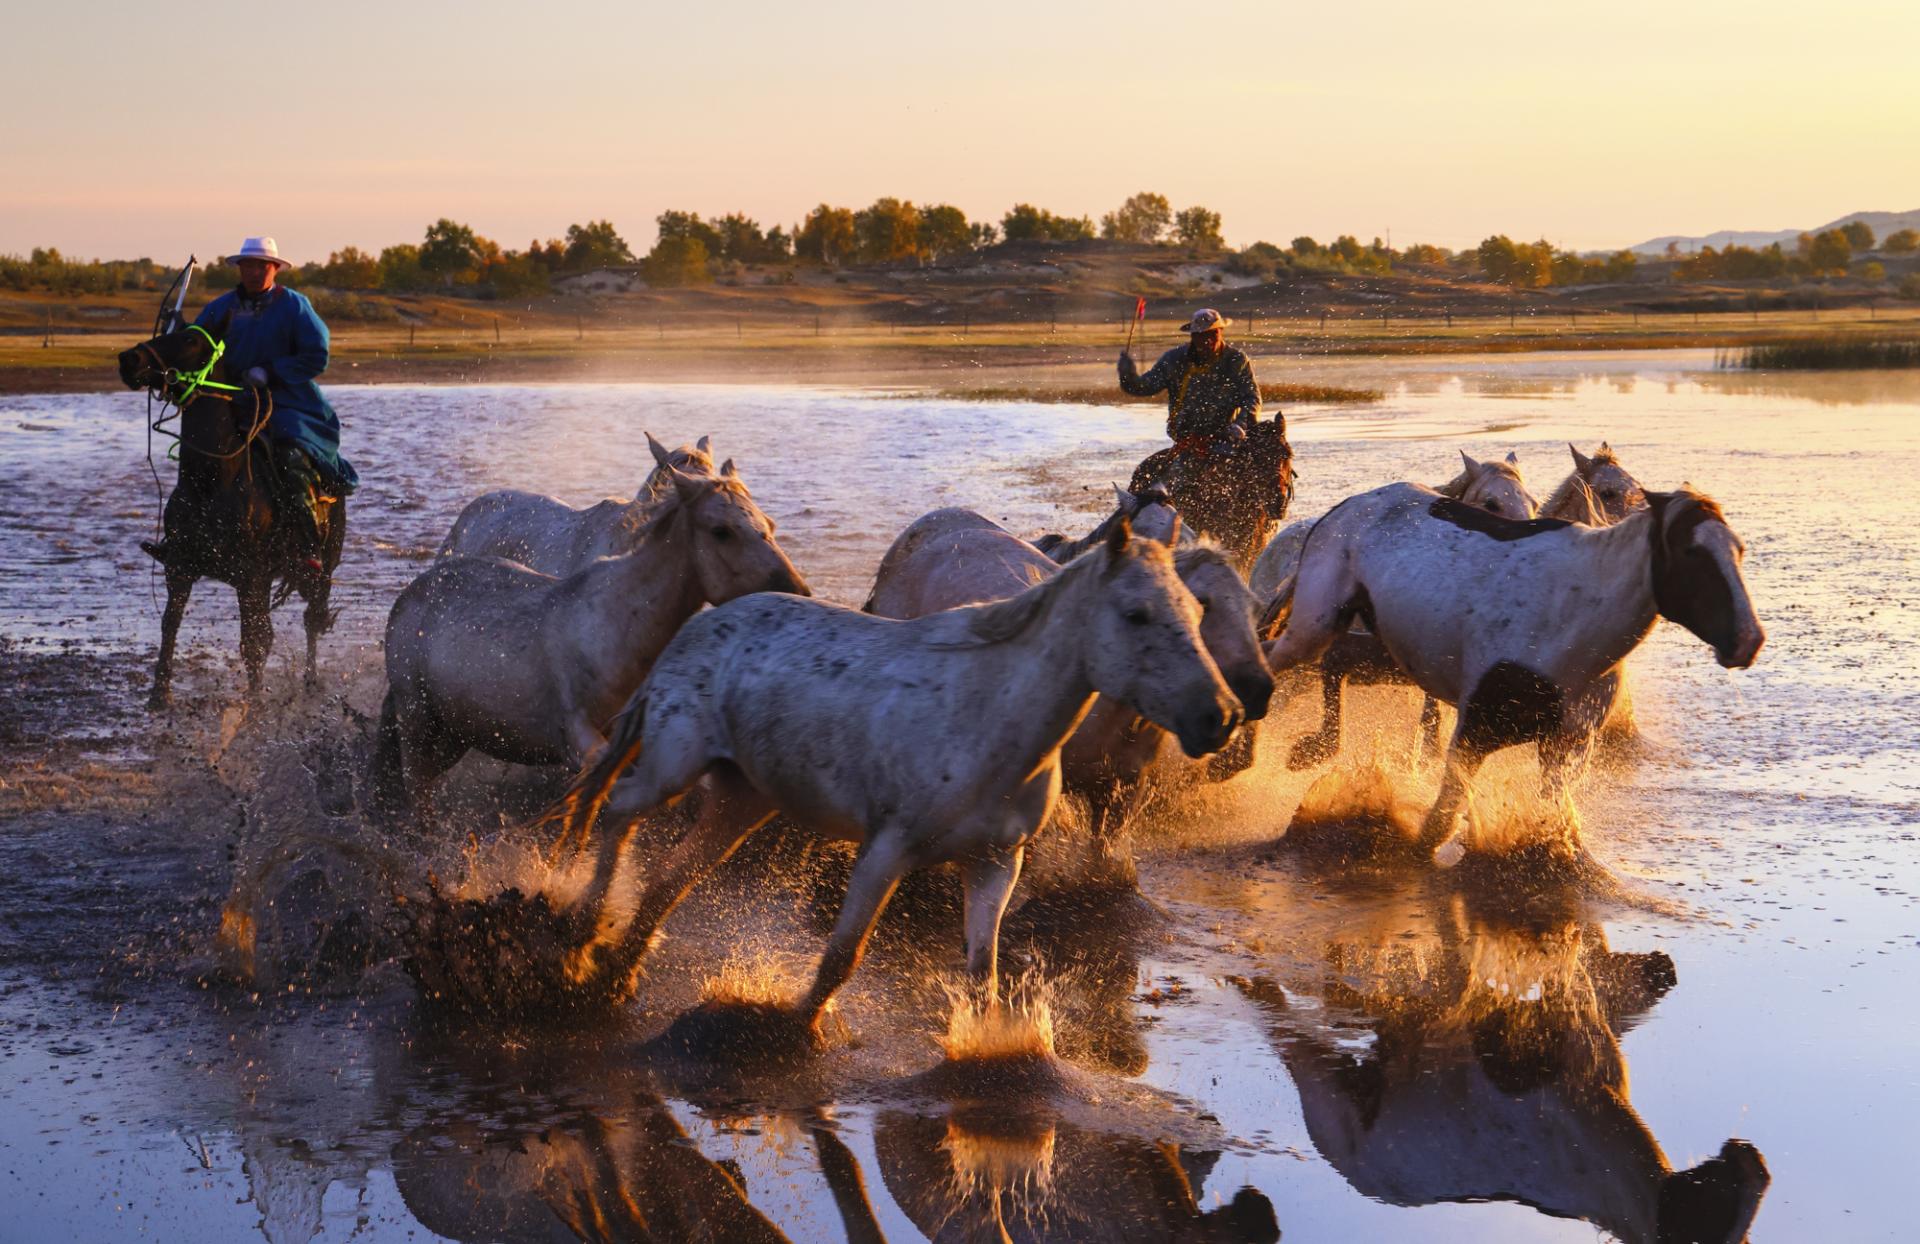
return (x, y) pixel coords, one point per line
(1882, 223)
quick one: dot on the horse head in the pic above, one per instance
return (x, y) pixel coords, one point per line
(151, 364)
(1227, 624)
(696, 458)
(1142, 642)
(1495, 487)
(1615, 491)
(734, 550)
(1696, 575)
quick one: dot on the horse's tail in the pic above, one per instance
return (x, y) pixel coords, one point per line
(580, 806)
(1273, 619)
(386, 781)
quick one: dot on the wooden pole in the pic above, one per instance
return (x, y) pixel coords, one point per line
(496, 330)
(410, 327)
(579, 328)
(46, 339)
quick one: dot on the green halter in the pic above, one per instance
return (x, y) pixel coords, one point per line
(191, 382)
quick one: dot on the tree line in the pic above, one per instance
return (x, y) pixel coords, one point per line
(691, 250)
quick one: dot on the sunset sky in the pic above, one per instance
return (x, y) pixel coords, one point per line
(1591, 124)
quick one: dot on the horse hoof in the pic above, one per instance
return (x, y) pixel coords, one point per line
(741, 1034)
(159, 701)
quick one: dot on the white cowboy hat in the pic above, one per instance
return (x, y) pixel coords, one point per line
(1205, 320)
(259, 248)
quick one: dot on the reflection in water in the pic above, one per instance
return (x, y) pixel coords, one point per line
(993, 1175)
(636, 1177)
(1494, 1072)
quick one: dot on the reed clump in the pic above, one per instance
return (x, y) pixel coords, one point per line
(1272, 394)
(1825, 353)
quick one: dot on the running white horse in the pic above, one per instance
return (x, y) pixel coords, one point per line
(925, 741)
(954, 557)
(1496, 487)
(555, 538)
(1523, 625)
(1597, 492)
(484, 653)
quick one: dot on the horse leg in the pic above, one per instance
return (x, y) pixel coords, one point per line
(318, 620)
(732, 810)
(1320, 746)
(427, 750)
(179, 588)
(882, 863)
(1322, 607)
(1237, 756)
(1429, 726)
(988, 879)
(1463, 762)
(256, 632)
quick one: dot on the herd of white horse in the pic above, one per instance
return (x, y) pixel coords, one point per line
(667, 643)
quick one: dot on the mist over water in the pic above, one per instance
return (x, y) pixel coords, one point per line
(1378, 1056)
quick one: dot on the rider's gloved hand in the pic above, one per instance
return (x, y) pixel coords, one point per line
(257, 377)
(1235, 432)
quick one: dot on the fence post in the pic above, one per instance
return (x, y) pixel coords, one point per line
(579, 328)
(738, 331)
(46, 339)
(1449, 317)
(1323, 319)
(816, 324)
(496, 330)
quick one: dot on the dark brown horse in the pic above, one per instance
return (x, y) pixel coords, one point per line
(221, 521)
(1235, 492)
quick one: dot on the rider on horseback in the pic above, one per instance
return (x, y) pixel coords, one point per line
(1212, 398)
(276, 341)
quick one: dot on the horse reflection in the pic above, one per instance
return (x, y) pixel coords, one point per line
(1495, 1073)
(980, 1175)
(635, 1177)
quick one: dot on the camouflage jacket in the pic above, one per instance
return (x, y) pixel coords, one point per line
(1202, 398)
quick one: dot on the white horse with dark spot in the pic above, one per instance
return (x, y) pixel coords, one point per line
(555, 538)
(1358, 658)
(487, 654)
(924, 741)
(1523, 625)
(954, 557)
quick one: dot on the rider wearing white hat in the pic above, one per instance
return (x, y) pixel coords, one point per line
(275, 340)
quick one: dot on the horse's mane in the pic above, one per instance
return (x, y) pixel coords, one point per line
(1575, 502)
(1002, 620)
(1202, 552)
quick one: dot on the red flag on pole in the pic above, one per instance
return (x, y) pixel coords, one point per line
(1140, 309)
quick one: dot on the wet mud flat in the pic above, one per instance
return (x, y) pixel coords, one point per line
(1273, 1041)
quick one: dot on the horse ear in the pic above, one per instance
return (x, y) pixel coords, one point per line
(660, 454)
(1472, 466)
(1513, 459)
(1122, 497)
(1173, 537)
(727, 468)
(704, 445)
(1120, 536)
(1580, 461)
(691, 488)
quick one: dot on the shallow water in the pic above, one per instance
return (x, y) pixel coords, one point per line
(1384, 1058)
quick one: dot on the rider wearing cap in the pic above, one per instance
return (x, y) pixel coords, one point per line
(275, 340)
(1212, 398)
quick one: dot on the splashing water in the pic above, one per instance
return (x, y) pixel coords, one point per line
(1016, 1025)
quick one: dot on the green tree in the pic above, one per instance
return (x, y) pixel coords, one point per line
(1198, 227)
(1859, 234)
(886, 231)
(675, 260)
(451, 251)
(944, 231)
(1901, 242)
(517, 275)
(1305, 246)
(595, 245)
(1425, 253)
(400, 269)
(1515, 263)
(1874, 271)
(1830, 252)
(348, 268)
(825, 236)
(1620, 266)
(687, 226)
(1027, 223)
(984, 233)
(1144, 217)
(741, 239)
